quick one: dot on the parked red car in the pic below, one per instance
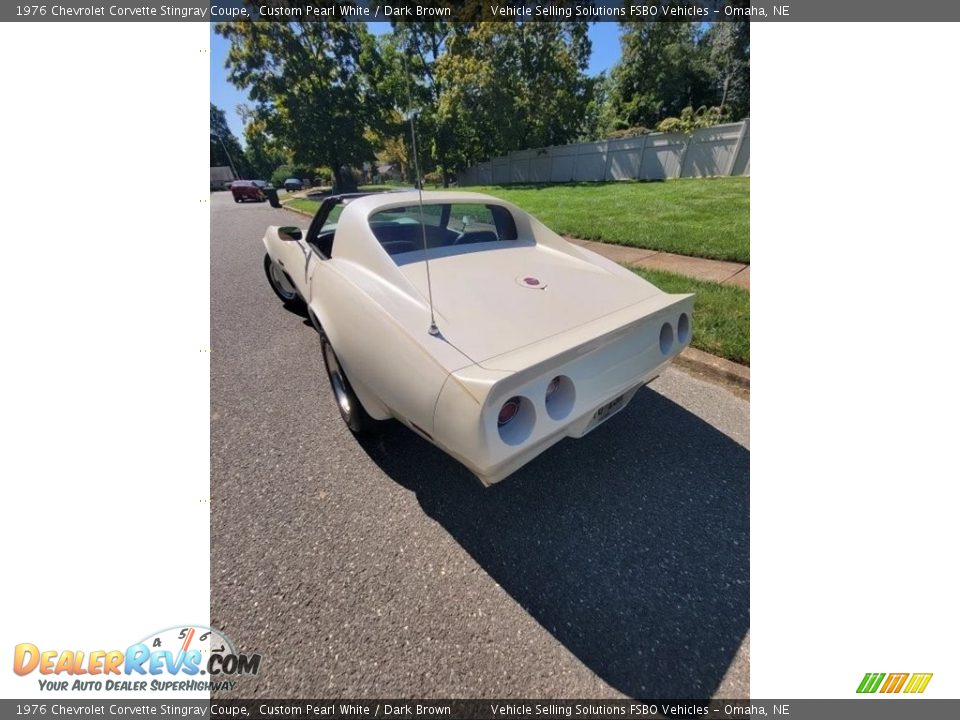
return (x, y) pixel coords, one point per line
(248, 190)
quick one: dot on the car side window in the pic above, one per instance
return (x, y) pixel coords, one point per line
(320, 234)
(333, 217)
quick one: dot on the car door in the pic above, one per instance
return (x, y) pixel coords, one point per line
(320, 242)
(296, 256)
(292, 255)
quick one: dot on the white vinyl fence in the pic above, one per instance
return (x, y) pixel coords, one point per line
(718, 150)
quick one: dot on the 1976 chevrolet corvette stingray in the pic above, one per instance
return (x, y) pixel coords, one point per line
(535, 339)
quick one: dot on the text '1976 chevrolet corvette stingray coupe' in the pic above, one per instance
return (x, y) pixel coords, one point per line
(472, 323)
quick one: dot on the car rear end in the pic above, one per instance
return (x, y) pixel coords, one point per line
(501, 413)
(246, 190)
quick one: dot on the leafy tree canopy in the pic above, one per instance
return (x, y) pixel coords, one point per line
(668, 66)
(225, 149)
(315, 86)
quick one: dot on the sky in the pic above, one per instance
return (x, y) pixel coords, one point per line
(605, 53)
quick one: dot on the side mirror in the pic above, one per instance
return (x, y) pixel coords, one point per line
(290, 233)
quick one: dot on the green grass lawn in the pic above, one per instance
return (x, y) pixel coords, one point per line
(721, 313)
(708, 217)
(309, 206)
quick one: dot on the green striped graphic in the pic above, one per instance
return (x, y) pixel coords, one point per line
(870, 682)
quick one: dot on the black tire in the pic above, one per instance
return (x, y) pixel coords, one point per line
(236, 199)
(351, 410)
(277, 278)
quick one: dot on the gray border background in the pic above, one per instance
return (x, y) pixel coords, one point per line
(716, 10)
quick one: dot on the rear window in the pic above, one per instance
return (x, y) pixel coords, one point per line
(446, 225)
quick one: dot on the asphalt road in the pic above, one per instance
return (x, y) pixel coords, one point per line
(613, 565)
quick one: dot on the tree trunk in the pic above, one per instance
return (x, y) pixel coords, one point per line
(343, 181)
(442, 162)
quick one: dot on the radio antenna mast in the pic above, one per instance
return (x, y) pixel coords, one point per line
(433, 329)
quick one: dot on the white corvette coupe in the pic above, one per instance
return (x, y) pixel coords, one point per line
(535, 339)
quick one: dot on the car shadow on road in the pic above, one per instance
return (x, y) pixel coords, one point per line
(630, 546)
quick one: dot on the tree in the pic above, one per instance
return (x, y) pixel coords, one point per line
(598, 119)
(668, 66)
(395, 150)
(660, 72)
(402, 90)
(728, 66)
(314, 85)
(419, 46)
(225, 149)
(512, 85)
(263, 153)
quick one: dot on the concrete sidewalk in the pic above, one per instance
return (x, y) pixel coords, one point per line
(720, 271)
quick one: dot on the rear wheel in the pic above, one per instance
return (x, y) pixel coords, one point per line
(348, 404)
(280, 283)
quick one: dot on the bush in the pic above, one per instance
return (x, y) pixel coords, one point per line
(627, 132)
(690, 121)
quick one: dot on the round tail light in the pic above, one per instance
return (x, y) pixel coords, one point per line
(508, 411)
(683, 328)
(666, 338)
(560, 397)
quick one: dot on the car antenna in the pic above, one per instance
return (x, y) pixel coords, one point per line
(433, 329)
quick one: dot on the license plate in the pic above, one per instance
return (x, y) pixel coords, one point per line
(605, 412)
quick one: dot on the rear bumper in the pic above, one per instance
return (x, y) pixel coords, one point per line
(614, 364)
(577, 429)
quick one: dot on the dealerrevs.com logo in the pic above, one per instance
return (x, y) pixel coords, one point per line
(180, 658)
(894, 683)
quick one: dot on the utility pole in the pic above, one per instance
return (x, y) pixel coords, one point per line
(229, 159)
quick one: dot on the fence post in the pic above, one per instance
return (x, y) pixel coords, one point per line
(683, 155)
(643, 149)
(736, 149)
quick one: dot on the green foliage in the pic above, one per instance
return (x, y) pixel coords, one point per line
(728, 66)
(421, 45)
(395, 150)
(509, 86)
(224, 147)
(263, 153)
(598, 121)
(690, 121)
(316, 86)
(627, 132)
(668, 66)
(657, 75)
